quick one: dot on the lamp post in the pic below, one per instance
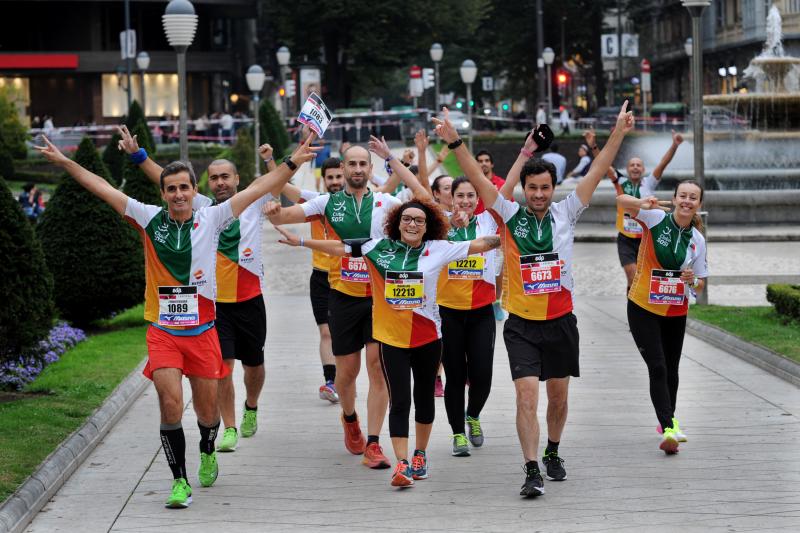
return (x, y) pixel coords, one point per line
(284, 55)
(180, 23)
(436, 55)
(255, 81)
(468, 72)
(696, 8)
(548, 55)
(732, 72)
(143, 62)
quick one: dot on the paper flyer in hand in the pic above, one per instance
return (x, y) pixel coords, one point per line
(315, 114)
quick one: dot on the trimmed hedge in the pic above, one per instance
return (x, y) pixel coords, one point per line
(136, 184)
(114, 159)
(785, 298)
(272, 129)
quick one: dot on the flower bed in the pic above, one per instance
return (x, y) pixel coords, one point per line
(17, 373)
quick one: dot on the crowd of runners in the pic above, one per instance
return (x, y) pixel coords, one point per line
(409, 271)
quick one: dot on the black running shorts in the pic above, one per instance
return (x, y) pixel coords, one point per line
(627, 249)
(319, 289)
(543, 348)
(242, 330)
(350, 322)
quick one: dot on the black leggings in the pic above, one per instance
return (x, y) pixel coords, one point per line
(423, 362)
(467, 353)
(660, 341)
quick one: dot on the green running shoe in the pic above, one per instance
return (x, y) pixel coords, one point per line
(249, 424)
(460, 445)
(208, 469)
(229, 440)
(181, 495)
(680, 435)
(475, 431)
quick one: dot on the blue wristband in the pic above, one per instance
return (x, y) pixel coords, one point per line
(138, 157)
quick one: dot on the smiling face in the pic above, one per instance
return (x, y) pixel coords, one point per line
(357, 167)
(413, 223)
(687, 200)
(635, 169)
(222, 180)
(465, 198)
(538, 191)
(178, 193)
(334, 179)
(443, 194)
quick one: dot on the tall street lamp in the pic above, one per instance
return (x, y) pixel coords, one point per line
(283, 56)
(180, 23)
(255, 81)
(548, 55)
(468, 72)
(436, 55)
(143, 62)
(688, 48)
(696, 8)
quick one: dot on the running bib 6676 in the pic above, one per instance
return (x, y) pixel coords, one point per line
(355, 269)
(404, 290)
(666, 287)
(178, 306)
(541, 273)
(470, 268)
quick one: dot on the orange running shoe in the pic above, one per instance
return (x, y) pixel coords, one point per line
(374, 458)
(354, 440)
(402, 475)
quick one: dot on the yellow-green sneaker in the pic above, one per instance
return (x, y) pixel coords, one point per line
(209, 470)
(249, 424)
(181, 495)
(229, 440)
(475, 431)
(679, 434)
(460, 445)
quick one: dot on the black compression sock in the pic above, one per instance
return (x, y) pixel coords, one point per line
(174, 443)
(329, 371)
(207, 437)
(372, 438)
(532, 465)
(552, 447)
(350, 418)
(248, 408)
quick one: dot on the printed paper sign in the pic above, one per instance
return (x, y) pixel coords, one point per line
(315, 114)
(666, 287)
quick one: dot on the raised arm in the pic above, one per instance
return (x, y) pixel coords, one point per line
(591, 141)
(421, 140)
(130, 145)
(440, 157)
(88, 180)
(379, 147)
(484, 244)
(284, 215)
(677, 139)
(588, 184)
(329, 247)
(265, 151)
(512, 178)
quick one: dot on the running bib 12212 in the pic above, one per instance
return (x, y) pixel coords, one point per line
(404, 290)
(470, 268)
(354, 269)
(666, 287)
(178, 306)
(541, 273)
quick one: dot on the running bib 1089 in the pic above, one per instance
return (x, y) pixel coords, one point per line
(666, 287)
(178, 306)
(355, 269)
(541, 273)
(404, 290)
(470, 268)
(629, 225)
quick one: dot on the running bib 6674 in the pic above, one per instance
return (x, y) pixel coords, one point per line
(631, 226)
(541, 273)
(355, 269)
(404, 290)
(178, 306)
(470, 268)
(666, 287)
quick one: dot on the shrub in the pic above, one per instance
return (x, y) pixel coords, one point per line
(94, 255)
(135, 183)
(785, 298)
(26, 285)
(272, 129)
(135, 118)
(242, 154)
(114, 159)
(6, 163)
(13, 133)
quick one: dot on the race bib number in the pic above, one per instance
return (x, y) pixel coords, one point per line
(541, 273)
(666, 287)
(404, 290)
(178, 306)
(354, 269)
(629, 225)
(470, 268)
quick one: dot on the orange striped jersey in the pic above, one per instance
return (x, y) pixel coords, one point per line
(240, 268)
(666, 249)
(347, 218)
(625, 224)
(404, 279)
(469, 283)
(179, 261)
(319, 260)
(537, 271)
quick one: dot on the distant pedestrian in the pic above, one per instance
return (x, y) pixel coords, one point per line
(226, 128)
(558, 160)
(564, 120)
(541, 115)
(31, 201)
(584, 163)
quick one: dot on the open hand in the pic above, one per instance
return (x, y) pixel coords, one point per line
(421, 140)
(51, 153)
(305, 152)
(460, 219)
(379, 147)
(288, 238)
(129, 143)
(444, 128)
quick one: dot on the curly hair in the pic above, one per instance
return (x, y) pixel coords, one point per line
(436, 226)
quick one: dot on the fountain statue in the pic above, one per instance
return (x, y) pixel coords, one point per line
(772, 69)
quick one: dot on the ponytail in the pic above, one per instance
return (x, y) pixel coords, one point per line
(697, 222)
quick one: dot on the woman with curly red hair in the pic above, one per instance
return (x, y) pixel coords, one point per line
(404, 270)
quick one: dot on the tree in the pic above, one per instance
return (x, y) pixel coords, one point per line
(135, 118)
(12, 132)
(114, 159)
(94, 255)
(136, 183)
(6, 162)
(272, 129)
(25, 283)
(243, 156)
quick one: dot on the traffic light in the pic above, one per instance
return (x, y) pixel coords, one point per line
(282, 92)
(290, 88)
(562, 78)
(459, 104)
(505, 107)
(428, 80)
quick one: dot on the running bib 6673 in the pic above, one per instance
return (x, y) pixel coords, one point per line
(541, 273)
(178, 306)
(666, 287)
(470, 268)
(404, 290)
(355, 269)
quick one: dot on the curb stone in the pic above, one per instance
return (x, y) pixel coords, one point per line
(20, 508)
(772, 362)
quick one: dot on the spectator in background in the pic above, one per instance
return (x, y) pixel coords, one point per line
(541, 115)
(584, 164)
(564, 120)
(558, 160)
(48, 125)
(226, 128)
(201, 126)
(31, 201)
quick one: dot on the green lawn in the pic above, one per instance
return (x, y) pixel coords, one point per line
(451, 166)
(759, 325)
(65, 394)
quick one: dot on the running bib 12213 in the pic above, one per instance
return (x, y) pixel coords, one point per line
(541, 273)
(666, 287)
(470, 268)
(354, 269)
(404, 290)
(178, 306)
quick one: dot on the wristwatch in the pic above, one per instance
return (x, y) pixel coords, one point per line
(455, 144)
(289, 162)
